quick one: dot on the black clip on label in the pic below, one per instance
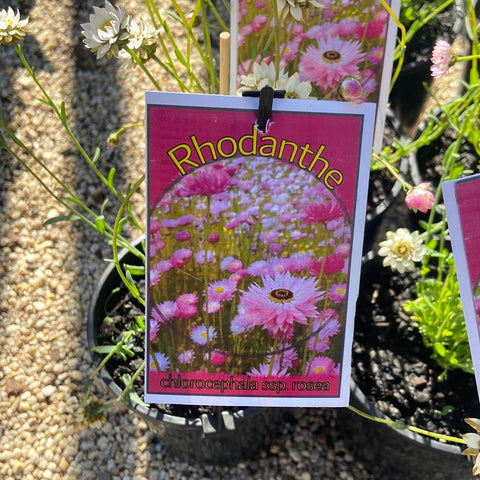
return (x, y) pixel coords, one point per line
(265, 102)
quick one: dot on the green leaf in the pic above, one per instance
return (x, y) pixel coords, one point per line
(100, 224)
(74, 200)
(141, 323)
(96, 156)
(61, 218)
(131, 284)
(46, 102)
(63, 113)
(104, 204)
(440, 349)
(111, 174)
(456, 172)
(132, 394)
(135, 269)
(103, 349)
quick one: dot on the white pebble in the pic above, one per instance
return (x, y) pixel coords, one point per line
(48, 391)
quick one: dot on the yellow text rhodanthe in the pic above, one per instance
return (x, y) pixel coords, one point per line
(186, 156)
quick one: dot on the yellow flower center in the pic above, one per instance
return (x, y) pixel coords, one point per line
(219, 289)
(402, 250)
(319, 369)
(103, 26)
(281, 295)
(331, 56)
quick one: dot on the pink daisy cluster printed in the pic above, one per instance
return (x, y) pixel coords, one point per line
(335, 51)
(248, 272)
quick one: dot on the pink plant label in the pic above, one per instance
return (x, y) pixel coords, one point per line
(343, 50)
(254, 244)
(462, 203)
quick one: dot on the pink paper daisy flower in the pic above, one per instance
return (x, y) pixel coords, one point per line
(180, 257)
(264, 371)
(441, 56)
(154, 328)
(329, 62)
(186, 305)
(221, 290)
(337, 292)
(333, 263)
(319, 212)
(212, 306)
(157, 270)
(375, 55)
(164, 311)
(322, 365)
(281, 301)
(206, 181)
(231, 264)
(241, 323)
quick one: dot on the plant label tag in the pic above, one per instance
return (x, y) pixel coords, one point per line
(462, 203)
(254, 244)
(335, 50)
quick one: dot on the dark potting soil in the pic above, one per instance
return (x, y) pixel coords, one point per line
(381, 181)
(392, 366)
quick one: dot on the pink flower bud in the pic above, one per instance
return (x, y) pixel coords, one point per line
(213, 238)
(350, 89)
(420, 198)
(218, 359)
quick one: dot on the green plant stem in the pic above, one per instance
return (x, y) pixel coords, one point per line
(211, 6)
(402, 42)
(466, 58)
(125, 338)
(208, 43)
(141, 64)
(64, 201)
(129, 385)
(206, 59)
(421, 431)
(60, 112)
(116, 229)
(393, 171)
(472, 17)
(418, 24)
(275, 32)
(157, 20)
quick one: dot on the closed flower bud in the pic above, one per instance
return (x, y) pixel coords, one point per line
(420, 198)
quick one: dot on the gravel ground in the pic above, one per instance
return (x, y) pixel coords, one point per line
(47, 276)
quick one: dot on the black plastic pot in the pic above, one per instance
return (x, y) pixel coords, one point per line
(398, 454)
(223, 438)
